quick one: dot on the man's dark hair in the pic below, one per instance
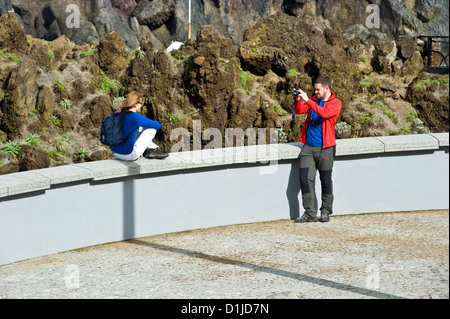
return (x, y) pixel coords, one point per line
(324, 80)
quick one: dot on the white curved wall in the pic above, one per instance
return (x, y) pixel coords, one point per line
(57, 209)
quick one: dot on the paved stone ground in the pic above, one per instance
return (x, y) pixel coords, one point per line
(369, 256)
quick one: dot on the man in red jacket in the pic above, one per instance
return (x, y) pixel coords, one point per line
(319, 147)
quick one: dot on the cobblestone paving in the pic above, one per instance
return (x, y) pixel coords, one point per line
(389, 255)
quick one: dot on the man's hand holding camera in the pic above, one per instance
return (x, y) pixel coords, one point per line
(298, 93)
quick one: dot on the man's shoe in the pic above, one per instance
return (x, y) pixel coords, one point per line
(324, 217)
(151, 153)
(306, 219)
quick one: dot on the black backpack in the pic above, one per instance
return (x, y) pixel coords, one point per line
(112, 129)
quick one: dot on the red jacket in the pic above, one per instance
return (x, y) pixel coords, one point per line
(329, 113)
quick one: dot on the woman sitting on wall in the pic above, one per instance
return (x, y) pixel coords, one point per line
(141, 131)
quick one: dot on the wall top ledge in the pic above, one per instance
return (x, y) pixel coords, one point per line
(364, 145)
(400, 143)
(63, 174)
(442, 138)
(22, 182)
(38, 180)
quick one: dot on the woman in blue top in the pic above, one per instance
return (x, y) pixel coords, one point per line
(141, 131)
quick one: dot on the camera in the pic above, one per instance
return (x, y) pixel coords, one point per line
(296, 91)
(314, 122)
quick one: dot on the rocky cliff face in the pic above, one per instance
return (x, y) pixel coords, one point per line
(160, 20)
(168, 19)
(56, 92)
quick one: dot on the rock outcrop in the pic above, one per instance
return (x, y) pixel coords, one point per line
(162, 20)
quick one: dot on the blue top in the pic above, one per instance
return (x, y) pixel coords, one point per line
(314, 135)
(132, 122)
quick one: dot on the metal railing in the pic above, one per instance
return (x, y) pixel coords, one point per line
(443, 65)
